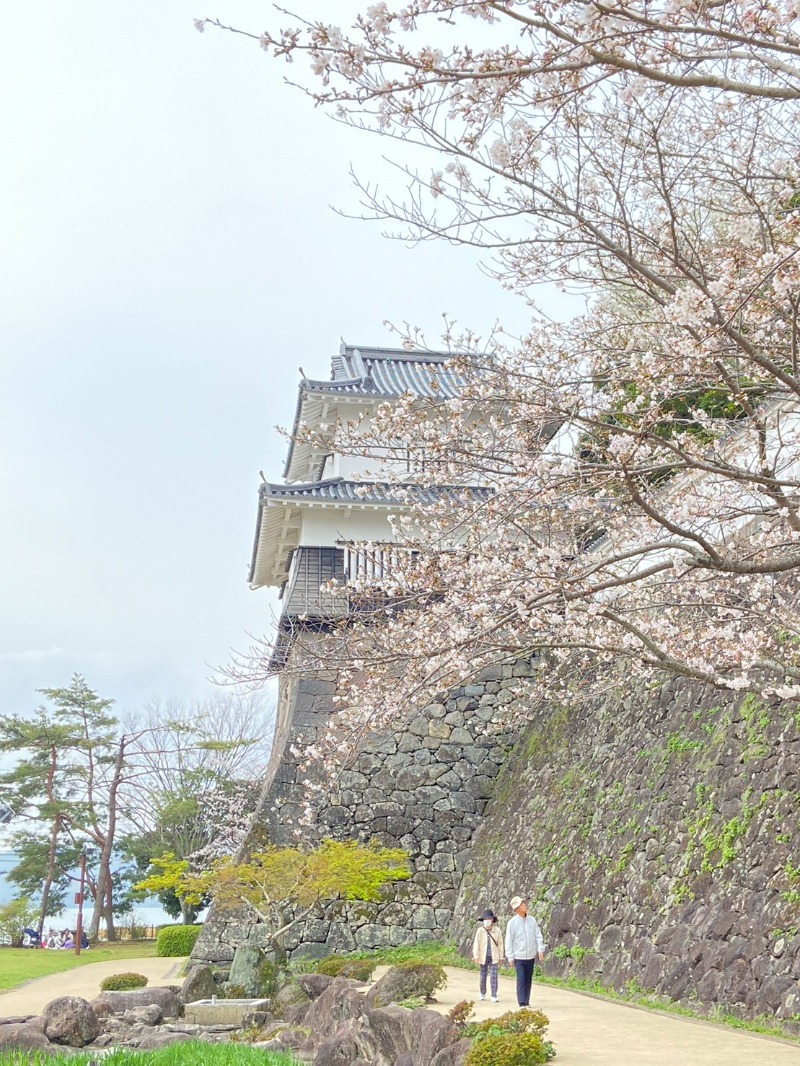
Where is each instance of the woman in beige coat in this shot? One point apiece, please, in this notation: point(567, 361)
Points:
point(487, 951)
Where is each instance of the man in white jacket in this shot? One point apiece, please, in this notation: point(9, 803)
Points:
point(524, 944)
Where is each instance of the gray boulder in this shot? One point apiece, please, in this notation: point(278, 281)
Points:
point(314, 984)
point(342, 1049)
point(119, 1002)
point(295, 1013)
point(453, 1054)
point(198, 984)
point(245, 969)
point(391, 1027)
point(70, 1020)
point(337, 1004)
point(431, 1033)
point(21, 1036)
point(286, 997)
point(149, 1015)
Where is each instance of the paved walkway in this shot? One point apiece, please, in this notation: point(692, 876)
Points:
point(587, 1030)
point(590, 1031)
point(84, 981)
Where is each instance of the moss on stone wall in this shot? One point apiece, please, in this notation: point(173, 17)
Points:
point(653, 831)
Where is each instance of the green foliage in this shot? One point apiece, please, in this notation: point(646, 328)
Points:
point(189, 1053)
point(410, 979)
point(269, 978)
point(332, 965)
point(341, 966)
point(122, 982)
point(177, 940)
point(679, 744)
point(562, 951)
point(15, 916)
point(524, 1020)
point(461, 1013)
point(334, 870)
point(413, 1002)
point(508, 1049)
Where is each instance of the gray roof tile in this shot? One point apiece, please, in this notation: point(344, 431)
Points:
point(339, 490)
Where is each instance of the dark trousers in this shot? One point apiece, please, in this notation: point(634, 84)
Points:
point(524, 968)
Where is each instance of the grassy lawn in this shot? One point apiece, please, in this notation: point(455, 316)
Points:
point(18, 965)
point(192, 1053)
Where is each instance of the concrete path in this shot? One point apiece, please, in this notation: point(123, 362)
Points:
point(590, 1031)
point(587, 1030)
point(84, 981)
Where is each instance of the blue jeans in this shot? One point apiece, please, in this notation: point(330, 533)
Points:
point(524, 968)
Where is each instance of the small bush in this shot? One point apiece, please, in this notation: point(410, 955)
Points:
point(122, 982)
point(331, 966)
point(341, 966)
point(524, 1020)
point(407, 980)
point(413, 1003)
point(508, 1049)
point(358, 969)
point(269, 978)
point(461, 1013)
point(177, 940)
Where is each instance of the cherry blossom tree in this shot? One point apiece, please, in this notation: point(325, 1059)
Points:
point(643, 455)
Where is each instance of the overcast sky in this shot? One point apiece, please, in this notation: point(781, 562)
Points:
point(169, 259)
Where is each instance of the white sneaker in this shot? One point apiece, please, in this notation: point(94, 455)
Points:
point(495, 999)
point(483, 997)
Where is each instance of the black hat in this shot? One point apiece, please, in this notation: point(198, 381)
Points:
point(488, 914)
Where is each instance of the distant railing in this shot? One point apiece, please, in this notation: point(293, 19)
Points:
point(367, 564)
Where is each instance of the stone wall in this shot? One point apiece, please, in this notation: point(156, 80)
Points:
point(657, 836)
point(423, 790)
point(655, 831)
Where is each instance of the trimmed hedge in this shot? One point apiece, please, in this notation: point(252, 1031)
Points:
point(122, 982)
point(177, 939)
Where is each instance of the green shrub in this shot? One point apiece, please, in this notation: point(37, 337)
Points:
point(176, 940)
point(341, 966)
point(461, 1013)
point(508, 1049)
point(15, 915)
point(269, 978)
point(524, 1020)
point(122, 982)
point(359, 969)
point(410, 979)
point(331, 966)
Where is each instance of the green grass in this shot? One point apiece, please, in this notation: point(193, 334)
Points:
point(18, 965)
point(191, 1053)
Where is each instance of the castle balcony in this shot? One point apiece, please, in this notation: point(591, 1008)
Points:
point(326, 583)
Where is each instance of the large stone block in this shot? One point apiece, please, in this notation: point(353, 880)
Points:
point(70, 1020)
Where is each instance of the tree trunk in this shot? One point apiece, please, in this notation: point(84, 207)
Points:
point(51, 871)
point(51, 857)
point(188, 913)
point(97, 909)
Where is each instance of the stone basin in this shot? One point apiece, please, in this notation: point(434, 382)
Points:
point(221, 1011)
